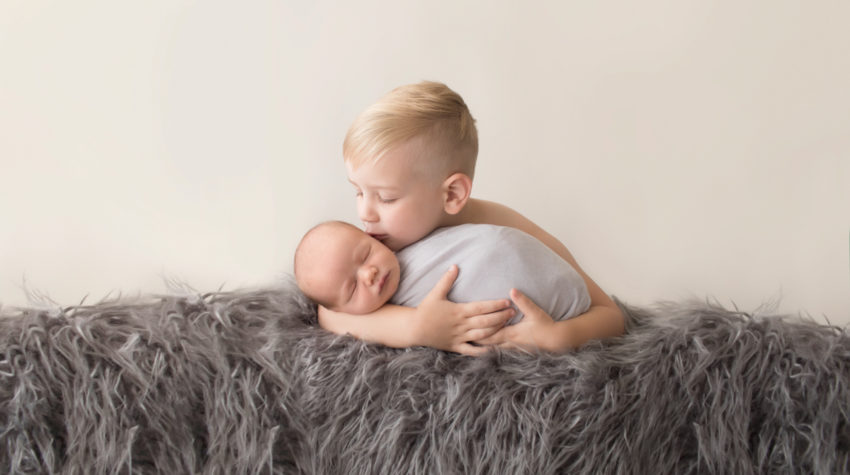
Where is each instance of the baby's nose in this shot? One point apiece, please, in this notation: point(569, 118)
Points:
point(368, 273)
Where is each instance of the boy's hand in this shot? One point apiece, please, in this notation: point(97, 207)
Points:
point(535, 330)
point(441, 323)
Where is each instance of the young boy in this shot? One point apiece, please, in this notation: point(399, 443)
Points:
point(345, 270)
point(411, 157)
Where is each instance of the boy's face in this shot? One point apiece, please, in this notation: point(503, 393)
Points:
point(350, 271)
point(399, 200)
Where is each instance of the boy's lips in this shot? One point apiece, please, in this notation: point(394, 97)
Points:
point(379, 237)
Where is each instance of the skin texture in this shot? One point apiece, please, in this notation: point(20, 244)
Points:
point(348, 270)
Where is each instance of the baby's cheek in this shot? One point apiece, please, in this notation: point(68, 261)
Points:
point(395, 281)
point(375, 305)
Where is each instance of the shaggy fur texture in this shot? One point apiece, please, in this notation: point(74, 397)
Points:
point(244, 382)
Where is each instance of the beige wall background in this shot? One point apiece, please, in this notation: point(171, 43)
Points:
point(679, 149)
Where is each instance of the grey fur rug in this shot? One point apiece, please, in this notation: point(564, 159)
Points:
point(244, 382)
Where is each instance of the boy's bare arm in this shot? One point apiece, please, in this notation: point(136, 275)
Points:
point(436, 322)
point(603, 319)
point(388, 325)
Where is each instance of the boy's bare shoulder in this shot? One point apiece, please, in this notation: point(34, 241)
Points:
point(489, 212)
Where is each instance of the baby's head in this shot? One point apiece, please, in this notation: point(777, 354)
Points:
point(344, 269)
point(405, 155)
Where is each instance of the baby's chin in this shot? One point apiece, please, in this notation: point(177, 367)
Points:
point(362, 309)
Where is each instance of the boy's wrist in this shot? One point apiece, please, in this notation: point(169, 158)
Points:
point(597, 323)
point(566, 336)
point(403, 327)
point(416, 331)
point(407, 337)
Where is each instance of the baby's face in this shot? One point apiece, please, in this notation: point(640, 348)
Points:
point(351, 271)
point(399, 200)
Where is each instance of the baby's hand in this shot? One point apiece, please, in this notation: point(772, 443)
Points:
point(446, 325)
point(536, 330)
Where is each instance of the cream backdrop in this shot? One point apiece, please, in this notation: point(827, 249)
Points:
point(679, 149)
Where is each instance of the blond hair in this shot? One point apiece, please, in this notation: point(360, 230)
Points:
point(427, 110)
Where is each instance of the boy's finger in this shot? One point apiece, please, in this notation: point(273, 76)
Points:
point(441, 289)
point(498, 337)
point(473, 309)
point(525, 304)
point(479, 334)
point(493, 319)
point(471, 350)
point(483, 336)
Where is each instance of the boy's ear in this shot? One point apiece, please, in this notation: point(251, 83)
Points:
point(456, 191)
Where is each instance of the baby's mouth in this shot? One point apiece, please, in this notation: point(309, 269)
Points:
point(383, 282)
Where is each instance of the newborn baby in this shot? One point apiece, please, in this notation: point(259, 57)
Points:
point(344, 269)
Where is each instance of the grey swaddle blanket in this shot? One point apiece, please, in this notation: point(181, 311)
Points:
point(492, 260)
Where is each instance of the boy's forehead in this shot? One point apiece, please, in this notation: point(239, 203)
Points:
point(378, 174)
point(395, 169)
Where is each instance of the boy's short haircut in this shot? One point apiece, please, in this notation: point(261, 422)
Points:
point(428, 110)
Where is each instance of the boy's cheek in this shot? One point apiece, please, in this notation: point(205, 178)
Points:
point(394, 245)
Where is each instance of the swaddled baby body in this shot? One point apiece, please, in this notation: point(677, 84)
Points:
point(344, 269)
point(492, 260)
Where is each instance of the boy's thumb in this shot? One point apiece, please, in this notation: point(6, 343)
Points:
point(441, 290)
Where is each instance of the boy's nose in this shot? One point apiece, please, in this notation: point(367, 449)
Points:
point(366, 212)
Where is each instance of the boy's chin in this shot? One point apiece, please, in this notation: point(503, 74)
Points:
point(391, 243)
point(394, 245)
point(388, 241)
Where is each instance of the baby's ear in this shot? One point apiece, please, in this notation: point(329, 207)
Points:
point(456, 190)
